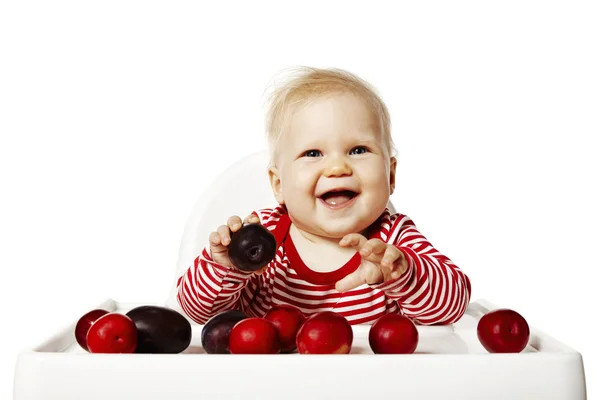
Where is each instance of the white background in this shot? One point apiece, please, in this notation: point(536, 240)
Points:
point(116, 115)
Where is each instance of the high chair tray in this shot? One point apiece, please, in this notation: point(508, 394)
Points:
point(449, 363)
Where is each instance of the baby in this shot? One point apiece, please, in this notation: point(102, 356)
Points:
point(339, 248)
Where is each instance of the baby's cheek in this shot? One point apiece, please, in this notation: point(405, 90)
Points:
point(302, 184)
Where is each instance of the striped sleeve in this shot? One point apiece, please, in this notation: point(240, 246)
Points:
point(433, 290)
point(207, 288)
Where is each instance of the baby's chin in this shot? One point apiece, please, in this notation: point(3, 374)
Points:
point(333, 228)
point(331, 231)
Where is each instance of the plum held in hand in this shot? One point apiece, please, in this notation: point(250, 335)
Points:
point(503, 331)
point(252, 247)
point(160, 330)
point(215, 333)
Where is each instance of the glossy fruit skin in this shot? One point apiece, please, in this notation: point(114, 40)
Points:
point(288, 320)
point(393, 334)
point(252, 247)
point(215, 333)
point(112, 333)
point(503, 331)
point(325, 332)
point(161, 330)
point(254, 336)
point(83, 326)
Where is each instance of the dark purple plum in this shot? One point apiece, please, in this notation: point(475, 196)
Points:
point(215, 333)
point(252, 247)
point(160, 330)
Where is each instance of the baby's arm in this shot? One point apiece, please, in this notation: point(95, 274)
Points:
point(433, 290)
point(208, 288)
point(213, 284)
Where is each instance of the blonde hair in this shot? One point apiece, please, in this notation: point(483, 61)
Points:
point(306, 84)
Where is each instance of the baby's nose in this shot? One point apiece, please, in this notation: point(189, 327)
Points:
point(337, 166)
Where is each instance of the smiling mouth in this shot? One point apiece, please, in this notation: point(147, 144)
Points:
point(338, 198)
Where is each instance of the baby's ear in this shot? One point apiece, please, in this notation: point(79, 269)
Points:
point(393, 163)
point(275, 180)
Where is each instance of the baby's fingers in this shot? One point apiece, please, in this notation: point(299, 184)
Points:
point(216, 242)
point(251, 219)
point(234, 223)
point(224, 234)
point(374, 248)
point(390, 256)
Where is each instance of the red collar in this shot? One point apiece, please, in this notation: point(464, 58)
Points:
point(282, 236)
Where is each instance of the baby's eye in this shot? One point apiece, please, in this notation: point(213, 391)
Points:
point(312, 153)
point(359, 150)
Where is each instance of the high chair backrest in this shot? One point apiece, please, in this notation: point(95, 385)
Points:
point(239, 190)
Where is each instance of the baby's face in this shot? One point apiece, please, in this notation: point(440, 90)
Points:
point(333, 171)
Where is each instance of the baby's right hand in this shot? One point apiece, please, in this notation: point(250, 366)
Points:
point(220, 240)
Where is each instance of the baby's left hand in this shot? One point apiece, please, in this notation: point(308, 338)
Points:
point(381, 262)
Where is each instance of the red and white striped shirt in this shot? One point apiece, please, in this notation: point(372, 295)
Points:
point(433, 290)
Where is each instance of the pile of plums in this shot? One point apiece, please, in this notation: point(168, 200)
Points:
point(234, 332)
point(144, 329)
point(286, 329)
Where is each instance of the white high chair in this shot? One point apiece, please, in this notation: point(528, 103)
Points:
point(239, 190)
